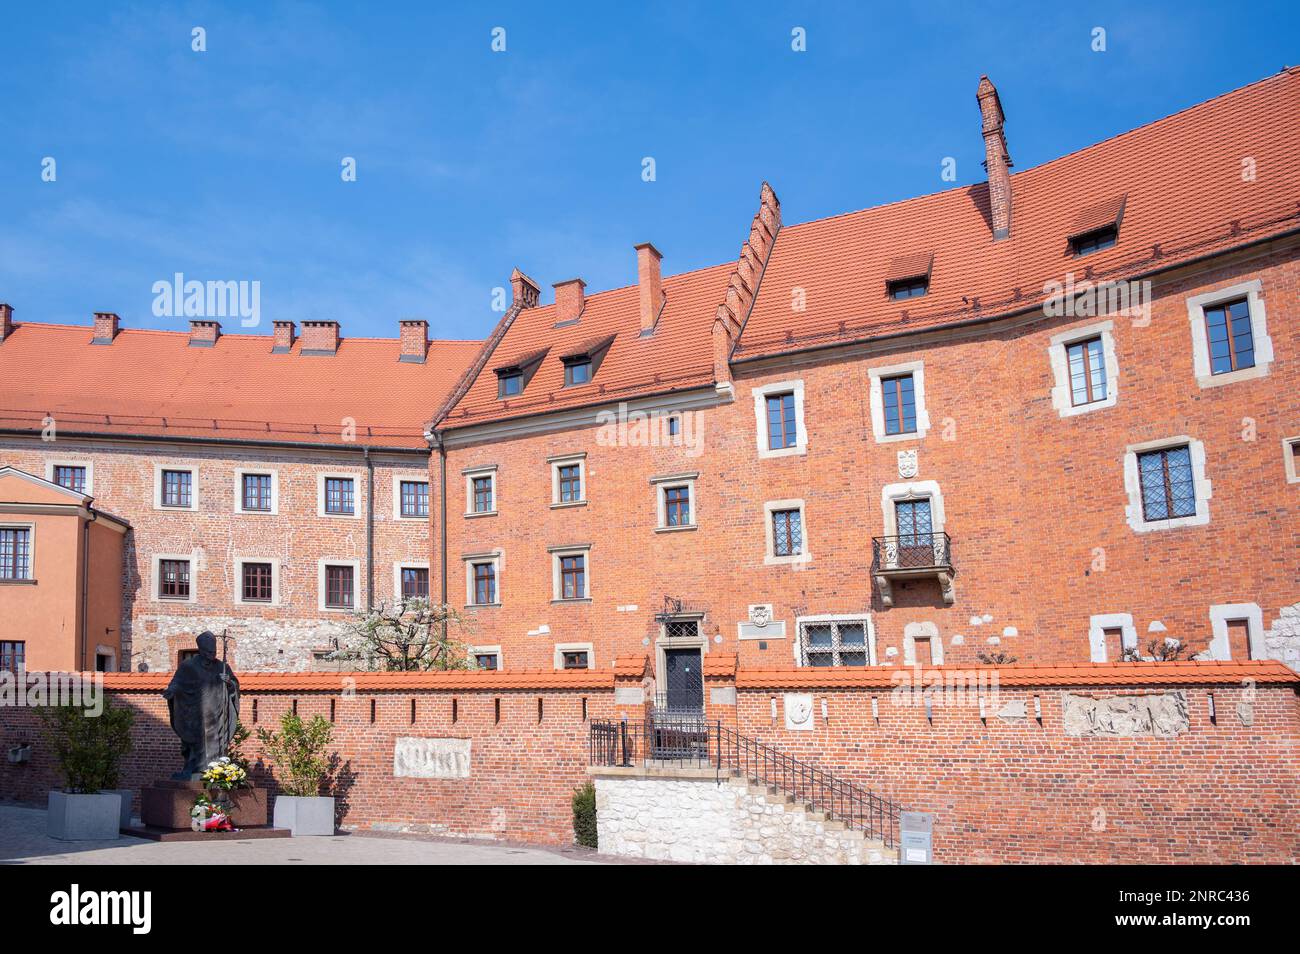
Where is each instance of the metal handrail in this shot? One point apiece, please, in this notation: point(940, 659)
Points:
point(711, 744)
point(913, 551)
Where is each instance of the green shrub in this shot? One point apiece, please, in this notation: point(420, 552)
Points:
point(299, 750)
point(89, 749)
point(584, 815)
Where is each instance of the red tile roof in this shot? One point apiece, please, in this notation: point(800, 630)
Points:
point(1186, 197)
point(1118, 674)
point(152, 383)
point(676, 357)
point(519, 680)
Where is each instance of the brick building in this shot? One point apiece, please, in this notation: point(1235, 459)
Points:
point(1051, 417)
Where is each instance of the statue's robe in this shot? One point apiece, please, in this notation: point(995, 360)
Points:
point(203, 702)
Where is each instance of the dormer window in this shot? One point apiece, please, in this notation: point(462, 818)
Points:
point(577, 371)
point(510, 383)
point(1094, 241)
point(514, 377)
point(909, 288)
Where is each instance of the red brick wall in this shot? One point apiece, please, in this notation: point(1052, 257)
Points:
point(523, 772)
point(1035, 503)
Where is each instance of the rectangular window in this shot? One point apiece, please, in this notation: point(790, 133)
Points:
point(510, 383)
point(257, 583)
point(577, 372)
point(1168, 486)
point(174, 579)
point(487, 661)
point(13, 656)
point(338, 587)
point(415, 583)
point(257, 492)
point(15, 553)
point(485, 584)
point(339, 495)
point(781, 426)
point(899, 395)
point(482, 495)
point(909, 288)
point(1232, 344)
point(677, 506)
point(177, 488)
point(573, 577)
point(915, 527)
point(70, 476)
point(787, 532)
point(834, 643)
point(576, 660)
point(415, 498)
point(1094, 241)
point(570, 480)
point(1087, 371)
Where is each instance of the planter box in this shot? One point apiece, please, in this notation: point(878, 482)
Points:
point(127, 796)
point(304, 816)
point(95, 817)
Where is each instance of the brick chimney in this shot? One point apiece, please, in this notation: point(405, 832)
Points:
point(525, 290)
point(105, 327)
point(650, 285)
point(414, 340)
point(320, 337)
point(283, 340)
point(204, 332)
point(569, 297)
point(6, 321)
point(996, 158)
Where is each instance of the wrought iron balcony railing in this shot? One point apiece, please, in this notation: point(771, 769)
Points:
point(917, 551)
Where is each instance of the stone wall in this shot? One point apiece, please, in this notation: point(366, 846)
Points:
point(688, 815)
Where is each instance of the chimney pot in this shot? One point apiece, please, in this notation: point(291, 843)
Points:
point(650, 285)
point(6, 321)
point(414, 340)
point(569, 299)
point(106, 327)
point(204, 332)
point(997, 160)
point(526, 291)
point(320, 337)
point(284, 334)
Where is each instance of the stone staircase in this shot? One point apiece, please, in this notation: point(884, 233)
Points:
point(691, 814)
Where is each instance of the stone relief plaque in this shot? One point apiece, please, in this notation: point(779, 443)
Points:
point(799, 711)
point(431, 758)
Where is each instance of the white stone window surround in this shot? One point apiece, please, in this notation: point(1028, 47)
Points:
point(494, 557)
point(1057, 353)
point(489, 471)
point(357, 584)
point(562, 648)
point(672, 482)
point(358, 489)
point(1221, 614)
point(862, 617)
point(804, 555)
point(30, 527)
point(111, 653)
point(398, 567)
point(158, 469)
point(240, 473)
point(417, 478)
point(89, 465)
point(475, 651)
point(927, 630)
point(1253, 292)
point(1202, 486)
point(761, 394)
point(557, 584)
point(239, 581)
point(875, 375)
point(912, 490)
point(565, 460)
point(1291, 458)
point(155, 586)
point(1097, 626)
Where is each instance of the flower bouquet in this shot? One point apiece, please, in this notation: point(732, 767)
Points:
point(206, 815)
point(225, 774)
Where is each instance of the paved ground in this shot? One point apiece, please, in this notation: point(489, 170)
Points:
point(23, 841)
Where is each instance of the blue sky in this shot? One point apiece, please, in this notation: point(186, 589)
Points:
point(225, 165)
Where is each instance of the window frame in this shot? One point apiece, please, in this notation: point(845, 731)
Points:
point(1098, 625)
point(909, 285)
point(557, 464)
point(473, 559)
point(1221, 614)
point(493, 651)
point(1094, 240)
point(1167, 482)
point(1198, 305)
point(159, 470)
point(28, 528)
point(1291, 458)
point(16, 660)
point(241, 473)
point(51, 467)
point(322, 584)
point(240, 596)
point(1202, 487)
point(398, 500)
point(875, 378)
point(770, 508)
point(558, 556)
point(834, 619)
point(1058, 357)
point(157, 577)
point(761, 394)
point(348, 495)
point(476, 473)
point(895, 383)
point(562, 648)
point(358, 500)
point(662, 485)
point(571, 364)
point(399, 578)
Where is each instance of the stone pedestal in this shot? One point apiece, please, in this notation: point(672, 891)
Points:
point(167, 804)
